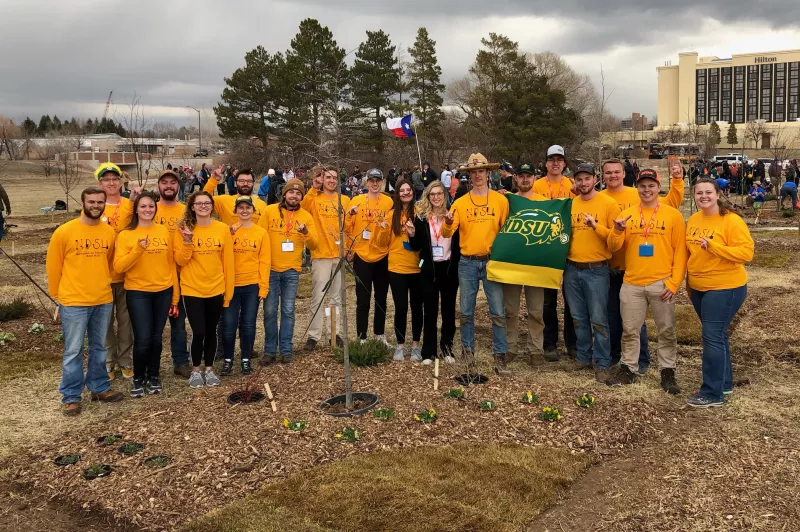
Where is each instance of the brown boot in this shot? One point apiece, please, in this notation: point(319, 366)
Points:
point(574, 365)
point(184, 371)
point(603, 375)
point(71, 409)
point(510, 357)
point(500, 366)
point(107, 397)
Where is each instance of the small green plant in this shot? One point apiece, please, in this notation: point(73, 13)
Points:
point(6, 338)
point(370, 353)
point(787, 213)
point(36, 328)
point(58, 337)
point(426, 416)
point(296, 426)
point(454, 393)
point(109, 439)
point(529, 397)
point(349, 434)
point(130, 448)
point(585, 401)
point(96, 469)
point(67, 459)
point(157, 462)
point(550, 414)
point(14, 310)
point(383, 413)
point(487, 404)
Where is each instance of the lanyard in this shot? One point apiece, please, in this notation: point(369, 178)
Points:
point(437, 234)
point(646, 228)
point(112, 221)
point(289, 219)
point(560, 188)
point(372, 212)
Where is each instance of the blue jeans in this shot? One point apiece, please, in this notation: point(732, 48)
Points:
point(587, 293)
point(716, 309)
point(470, 275)
point(76, 323)
point(241, 313)
point(181, 192)
point(148, 312)
point(177, 338)
point(615, 324)
point(283, 286)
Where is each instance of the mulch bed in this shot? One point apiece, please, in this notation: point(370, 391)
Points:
point(221, 452)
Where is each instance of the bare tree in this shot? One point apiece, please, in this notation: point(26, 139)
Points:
point(755, 130)
point(46, 153)
point(136, 124)
point(580, 92)
point(69, 175)
point(780, 140)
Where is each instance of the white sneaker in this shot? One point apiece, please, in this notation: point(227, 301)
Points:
point(363, 341)
point(427, 362)
point(450, 360)
point(382, 338)
point(416, 354)
point(399, 353)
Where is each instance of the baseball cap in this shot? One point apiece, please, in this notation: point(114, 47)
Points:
point(585, 168)
point(555, 149)
point(243, 199)
point(374, 173)
point(167, 173)
point(525, 168)
point(507, 167)
point(648, 173)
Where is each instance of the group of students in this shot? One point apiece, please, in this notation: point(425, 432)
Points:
point(139, 263)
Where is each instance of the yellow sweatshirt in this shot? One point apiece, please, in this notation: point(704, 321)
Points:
point(629, 197)
point(401, 260)
point(118, 216)
point(223, 204)
point(169, 216)
point(251, 258)
point(479, 219)
point(667, 235)
point(560, 190)
point(286, 242)
point(324, 210)
point(150, 270)
point(594, 245)
point(362, 226)
point(79, 259)
point(729, 247)
point(206, 264)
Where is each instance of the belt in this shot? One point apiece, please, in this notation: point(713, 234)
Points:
point(475, 257)
point(587, 265)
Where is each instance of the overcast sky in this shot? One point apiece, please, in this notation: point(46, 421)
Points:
point(63, 57)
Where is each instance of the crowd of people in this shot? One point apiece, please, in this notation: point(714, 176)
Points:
point(127, 266)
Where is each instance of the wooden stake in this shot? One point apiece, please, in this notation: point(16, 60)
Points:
point(271, 398)
point(435, 374)
point(333, 326)
point(13, 249)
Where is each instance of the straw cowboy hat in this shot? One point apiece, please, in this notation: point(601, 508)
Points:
point(477, 161)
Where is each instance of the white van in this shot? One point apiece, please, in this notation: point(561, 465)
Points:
point(731, 158)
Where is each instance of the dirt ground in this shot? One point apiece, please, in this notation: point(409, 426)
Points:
point(656, 464)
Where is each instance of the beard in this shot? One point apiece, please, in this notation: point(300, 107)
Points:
point(524, 188)
point(244, 190)
point(291, 204)
point(168, 194)
point(92, 216)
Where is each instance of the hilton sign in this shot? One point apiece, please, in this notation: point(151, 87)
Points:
point(763, 59)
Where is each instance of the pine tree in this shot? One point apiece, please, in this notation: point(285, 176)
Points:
point(56, 123)
point(29, 127)
point(733, 140)
point(45, 125)
point(424, 75)
point(714, 135)
point(375, 77)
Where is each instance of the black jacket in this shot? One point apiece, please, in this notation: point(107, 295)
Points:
point(421, 241)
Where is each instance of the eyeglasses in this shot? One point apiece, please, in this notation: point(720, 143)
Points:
point(244, 182)
point(111, 179)
point(203, 204)
point(435, 194)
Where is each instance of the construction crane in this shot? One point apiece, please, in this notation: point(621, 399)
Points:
point(108, 102)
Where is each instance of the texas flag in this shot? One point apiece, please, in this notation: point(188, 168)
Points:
point(401, 127)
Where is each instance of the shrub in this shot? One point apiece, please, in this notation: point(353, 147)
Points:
point(6, 338)
point(16, 309)
point(787, 213)
point(370, 353)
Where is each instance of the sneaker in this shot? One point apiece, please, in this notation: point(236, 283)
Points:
point(427, 362)
point(363, 341)
point(602, 375)
point(106, 397)
point(154, 385)
point(266, 359)
point(668, 383)
point(184, 371)
point(642, 370)
point(416, 354)
point(551, 355)
point(227, 367)
point(137, 388)
point(211, 379)
point(698, 401)
point(127, 371)
point(623, 376)
point(311, 344)
point(575, 365)
point(500, 366)
point(246, 369)
point(399, 353)
point(196, 380)
point(449, 359)
point(111, 373)
point(71, 409)
point(382, 338)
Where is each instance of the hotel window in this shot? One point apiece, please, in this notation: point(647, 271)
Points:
point(713, 94)
point(738, 94)
point(700, 97)
point(725, 98)
point(752, 92)
point(793, 113)
point(780, 92)
point(766, 93)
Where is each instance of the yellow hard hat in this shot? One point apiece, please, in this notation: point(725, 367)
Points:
point(107, 167)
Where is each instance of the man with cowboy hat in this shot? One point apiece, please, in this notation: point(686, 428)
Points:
point(479, 215)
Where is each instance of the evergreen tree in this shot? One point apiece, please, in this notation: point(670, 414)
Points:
point(56, 123)
point(375, 77)
point(29, 127)
point(424, 75)
point(733, 140)
point(89, 127)
point(714, 134)
point(45, 125)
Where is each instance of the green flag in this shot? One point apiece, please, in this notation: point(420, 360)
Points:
point(531, 248)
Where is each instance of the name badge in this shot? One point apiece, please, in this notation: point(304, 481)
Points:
point(407, 246)
point(438, 251)
point(366, 234)
point(645, 250)
point(287, 247)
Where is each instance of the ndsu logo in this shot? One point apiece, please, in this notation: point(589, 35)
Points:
point(537, 226)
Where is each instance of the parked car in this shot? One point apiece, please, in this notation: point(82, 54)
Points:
point(201, 152)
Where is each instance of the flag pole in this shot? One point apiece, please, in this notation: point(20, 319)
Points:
point(419, 153)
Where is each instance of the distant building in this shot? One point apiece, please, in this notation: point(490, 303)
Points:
point(636, 122)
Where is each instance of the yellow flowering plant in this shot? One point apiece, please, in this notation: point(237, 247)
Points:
point(296, 426)
point(455, 393)
point(426, 416)
point(550, 414)
point(585, 401)
point(529, 397)
point(487, 404)
point(349, 434)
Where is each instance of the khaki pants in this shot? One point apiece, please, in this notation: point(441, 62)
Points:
point(321, 271)
point(119, 344)
point(634, 301)
point(534, 300)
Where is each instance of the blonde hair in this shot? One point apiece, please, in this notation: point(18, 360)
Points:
point(424, 206)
